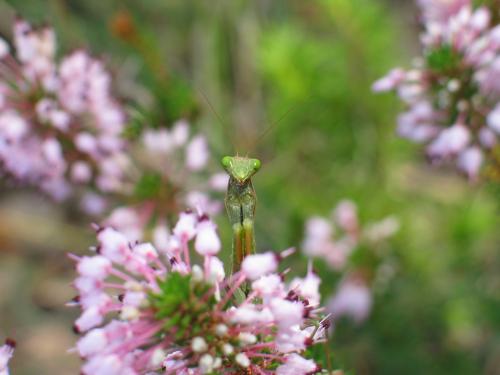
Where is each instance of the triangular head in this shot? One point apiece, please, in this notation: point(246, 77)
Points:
point(240, 168)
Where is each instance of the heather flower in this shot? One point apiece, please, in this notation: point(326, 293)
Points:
point(6, 353)
point(167, 180)
point(452, 93)
point(353, 299)
point(334, 239)
point(149, 311)
point(440, 10)
point(60, 127)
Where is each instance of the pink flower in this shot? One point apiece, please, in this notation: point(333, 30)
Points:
point(207, 242)
point(470, 162)
point(353, 299)
point(146, 312)
point(185, 229)
point(450, 141)
point(197, 153)
point(494, 119)
point(165, 180)
point(452, 92)
point(337, 238)
point(45, 104)
point(308, 287)
point(390, 81)
point(259, 265)
point(6, 353)
point(441, 10)
point(297, 365)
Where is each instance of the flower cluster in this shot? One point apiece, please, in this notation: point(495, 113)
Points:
point(170, 170)
point(452, 93)
point(335, 239)
point(353, 298)
point(156, 312)
point(6, 352)
point(59, 123)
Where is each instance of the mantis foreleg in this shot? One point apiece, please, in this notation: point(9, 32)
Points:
point(240, 206)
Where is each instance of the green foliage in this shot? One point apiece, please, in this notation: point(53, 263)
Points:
point(444, 59)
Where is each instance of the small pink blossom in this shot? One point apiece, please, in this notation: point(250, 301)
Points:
point(197, 153)
point(6, 353)
point(259, 265)
point(353, 299)
point(297, 365)
point(207, 241)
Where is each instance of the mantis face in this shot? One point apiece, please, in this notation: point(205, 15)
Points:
point(240, 168)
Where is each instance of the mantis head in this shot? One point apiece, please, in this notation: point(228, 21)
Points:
point(240, 168)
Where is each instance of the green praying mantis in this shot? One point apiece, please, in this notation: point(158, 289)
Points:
point(241, 200)
point(240, 203)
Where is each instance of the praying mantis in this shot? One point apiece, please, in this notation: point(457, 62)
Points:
point(240, 205)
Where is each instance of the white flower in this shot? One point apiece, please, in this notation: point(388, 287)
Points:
point(346, 215)
point(180, 132)
point(186, 226)
point(81, 172)
point(450, 141)
point(246, 338)
point(6, 353)
point(199, 345)
point(352, 299)
point(270, 285)
point(242, 360)
point(93, 342)
point(308, 287)
point(90, 318)
point(255, 266)
point(4, 48)
point(493, 119)
point(96, 267)
point(470, 162)
point(296, 365)
point(287, 313)
point(207, 241)
point(390, 81)
point(197, 153)
point(113, 244)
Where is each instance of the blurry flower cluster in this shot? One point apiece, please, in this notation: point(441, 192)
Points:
point(149, 311)
point(6, 353)
point(353, 299)
point(452, 92)
point(59, 123)
point(169, 175)
point(335, 239)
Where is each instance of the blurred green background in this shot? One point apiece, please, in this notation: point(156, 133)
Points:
point(291, 82)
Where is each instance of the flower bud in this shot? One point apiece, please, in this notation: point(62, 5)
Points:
point(207, 241)
point(242, 360)
point(199, 345)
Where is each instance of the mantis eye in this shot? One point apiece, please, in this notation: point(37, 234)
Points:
point(226, 161)
point(256, 164)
